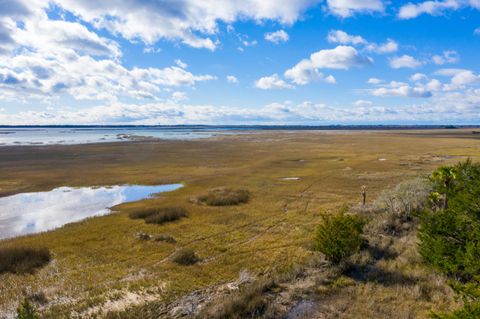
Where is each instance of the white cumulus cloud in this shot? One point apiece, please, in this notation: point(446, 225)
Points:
point(181, 64)
point(347, 8)
point(341, 37)
point(390, 46)
point(434, 8)
point(272, 82)
point(178, 96)
point(362, 103)
point(405, 61)
point(447, 108)
point(192, 22)
point(303, 73)
point(374, 81)
point(232, 79)
point(465, 77)
point(277, 36)
point(341, 57)
point(39, 74)
point(45, 58)
point(459, 78)
point(402, 90)
point(418, 77)
point(447, 57)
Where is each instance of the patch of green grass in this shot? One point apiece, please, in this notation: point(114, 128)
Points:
point(27, 311)
point(20, 260)
point(225, 197)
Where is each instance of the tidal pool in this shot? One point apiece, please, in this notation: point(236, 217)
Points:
point(29, 213)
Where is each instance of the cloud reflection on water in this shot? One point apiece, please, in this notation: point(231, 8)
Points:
point(29, 213)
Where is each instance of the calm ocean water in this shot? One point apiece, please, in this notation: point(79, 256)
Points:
point(28, 213)
point(10, 135)
point(84, 135)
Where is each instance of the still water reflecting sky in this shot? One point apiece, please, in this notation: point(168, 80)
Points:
point(52, 135)
point(29, 213)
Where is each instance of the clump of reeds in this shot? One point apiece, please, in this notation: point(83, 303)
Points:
point(186, 257)
point(19, 260)
point(225, 197)
point(159, 215)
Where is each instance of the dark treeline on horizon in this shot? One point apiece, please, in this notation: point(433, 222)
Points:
point(255, 127)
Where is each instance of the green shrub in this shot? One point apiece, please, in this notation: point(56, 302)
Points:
point(449, 234)
point(469, 311)
point(26, 311)
point(450, 241)
point(21, 260)
point(450, 238)
point(186, 257)
point(225, 197)
point(339, 236)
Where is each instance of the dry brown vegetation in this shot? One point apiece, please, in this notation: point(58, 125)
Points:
point(249, 302)
point(101, 266)
point(386, 279)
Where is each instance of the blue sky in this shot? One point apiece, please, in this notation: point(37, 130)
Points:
point(239, 62)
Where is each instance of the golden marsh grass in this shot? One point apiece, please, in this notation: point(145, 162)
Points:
point(101, 260)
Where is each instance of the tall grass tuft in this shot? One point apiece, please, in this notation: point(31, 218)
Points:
point(248, 302)
point(143, 213)
point(159, 215)
point(165, 238)
point(20, 260)
point(225, 197)
point(186, 257)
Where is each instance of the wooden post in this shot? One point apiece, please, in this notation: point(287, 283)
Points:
point(364, 195)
